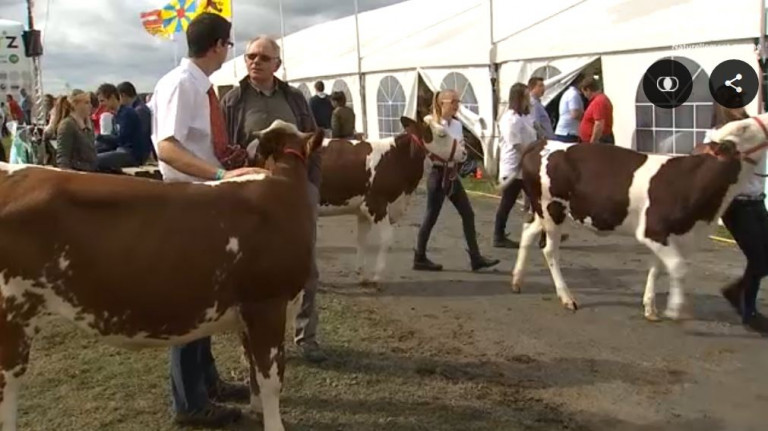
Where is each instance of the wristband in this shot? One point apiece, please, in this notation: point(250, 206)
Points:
point(220, 174)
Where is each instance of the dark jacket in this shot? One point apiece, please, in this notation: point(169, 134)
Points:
point(343, 122)
point(234, 115)
point(145, 119)
point(129, 134)
point(322, 108)
point(75, 148)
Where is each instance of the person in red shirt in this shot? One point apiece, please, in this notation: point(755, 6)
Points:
point(597, 124)
point(16, 113)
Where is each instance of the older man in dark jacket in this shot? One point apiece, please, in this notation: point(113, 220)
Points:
point(253, 105)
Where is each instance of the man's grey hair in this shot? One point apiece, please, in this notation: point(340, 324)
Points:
point(271, 41)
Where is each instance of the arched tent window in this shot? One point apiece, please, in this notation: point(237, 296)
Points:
point(546, 72)
point(461, 84)
point(674, 131)
point(390, 100)
point(340, 85)
point(305, 90)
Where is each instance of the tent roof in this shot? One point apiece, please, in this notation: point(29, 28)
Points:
point(454, 33)
point(414, 33)
point(602, 26)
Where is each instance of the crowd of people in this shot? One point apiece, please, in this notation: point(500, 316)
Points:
point(101, 131)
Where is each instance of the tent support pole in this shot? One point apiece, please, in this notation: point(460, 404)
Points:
point(360, 77)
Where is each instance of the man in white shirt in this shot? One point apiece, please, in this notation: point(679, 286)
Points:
point(571, 110)
point(187, 135)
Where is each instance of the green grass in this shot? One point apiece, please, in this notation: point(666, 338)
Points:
point(722, 232)
point(482, 185)
point(381, 375)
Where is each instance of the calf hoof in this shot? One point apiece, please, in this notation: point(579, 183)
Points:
point(652, 317)
point(672, 314)
point(517, 284)
point(571, 305)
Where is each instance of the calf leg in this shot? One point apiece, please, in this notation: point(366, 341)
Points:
point(530, 230)
point(552, 255)
point(674, 262)
point(385, 234)
point(649, 297)
point(363, 229)
point(14, 356)
point(265, 334)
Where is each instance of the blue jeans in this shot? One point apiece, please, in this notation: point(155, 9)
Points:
point(567, 138)
point(111, 161)
point(193, 373)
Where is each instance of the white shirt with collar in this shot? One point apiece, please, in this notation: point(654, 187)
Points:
point(180, 109)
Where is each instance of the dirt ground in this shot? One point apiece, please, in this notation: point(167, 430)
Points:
point(456, 351)
point(602, 368)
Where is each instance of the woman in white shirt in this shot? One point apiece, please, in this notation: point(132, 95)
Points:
point(444, 181)
point(747, 220)
point(517, 134)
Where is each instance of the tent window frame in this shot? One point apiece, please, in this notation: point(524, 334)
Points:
point(666, 123)
point(304, 88)
point(390, 103)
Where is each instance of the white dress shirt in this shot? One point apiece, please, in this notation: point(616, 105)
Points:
point(180, 109)
point(517, 132)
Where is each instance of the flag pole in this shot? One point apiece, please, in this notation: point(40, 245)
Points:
point(282, 40)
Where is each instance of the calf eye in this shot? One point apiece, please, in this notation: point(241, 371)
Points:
point(442, 134)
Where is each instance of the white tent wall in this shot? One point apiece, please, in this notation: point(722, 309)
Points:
point(623, 74)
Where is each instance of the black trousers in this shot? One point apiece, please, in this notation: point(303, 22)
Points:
point(747, 221)
point(435, 197)
point(508, 198)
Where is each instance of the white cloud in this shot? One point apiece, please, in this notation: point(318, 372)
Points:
point(88, 42)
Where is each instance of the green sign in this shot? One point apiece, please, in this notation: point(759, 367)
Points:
point(13, 58)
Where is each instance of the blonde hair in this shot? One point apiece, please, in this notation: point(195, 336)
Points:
point(437, 109)
point(65, 105)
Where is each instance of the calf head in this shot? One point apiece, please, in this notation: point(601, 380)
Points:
point(432, 137)
point(282, 139)
point(749, 137)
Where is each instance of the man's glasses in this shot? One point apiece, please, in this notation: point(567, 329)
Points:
point(262, 57)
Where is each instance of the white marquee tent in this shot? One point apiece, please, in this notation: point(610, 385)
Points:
point(465, 44)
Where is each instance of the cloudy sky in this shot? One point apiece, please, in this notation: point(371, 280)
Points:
point(88, 42)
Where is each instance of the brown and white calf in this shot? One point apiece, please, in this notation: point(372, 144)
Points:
point(142, 263)
point(667, 203)
point(375, 180)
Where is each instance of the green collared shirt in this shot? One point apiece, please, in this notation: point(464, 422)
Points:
point(262, 108)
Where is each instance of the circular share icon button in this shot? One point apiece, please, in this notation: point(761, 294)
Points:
point(667, 84)
point(733, 84)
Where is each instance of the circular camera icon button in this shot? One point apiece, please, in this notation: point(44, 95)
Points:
point(668, 84)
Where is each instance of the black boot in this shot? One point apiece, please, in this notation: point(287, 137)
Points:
point(501, 241)
point(479, 262)
point(421, 263)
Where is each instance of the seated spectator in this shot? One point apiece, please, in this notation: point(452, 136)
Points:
point(75, 149)
point(343, 117)
point(124, 147)
point(129, 97)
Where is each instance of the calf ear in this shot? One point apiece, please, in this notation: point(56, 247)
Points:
point(253, 149)
point(316, 141)
point(408, 124)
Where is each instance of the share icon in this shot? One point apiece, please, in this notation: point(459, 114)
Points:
point(729, 83)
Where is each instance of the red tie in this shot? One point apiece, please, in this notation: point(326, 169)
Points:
point(230, 156)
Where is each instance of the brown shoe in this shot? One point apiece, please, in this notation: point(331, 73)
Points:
point(213, 416)
point(230, 392)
